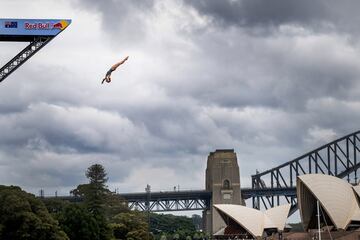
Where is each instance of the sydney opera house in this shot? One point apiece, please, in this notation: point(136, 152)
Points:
point(336, 202)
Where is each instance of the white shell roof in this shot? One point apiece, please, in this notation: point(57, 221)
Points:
point(334, 194)
point(220, 232)
point(356, 215)
point(249, 218)
point(255, 221)
point(357, 190)
point(278, 216)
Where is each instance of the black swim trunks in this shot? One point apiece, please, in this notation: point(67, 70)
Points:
point(108, 73)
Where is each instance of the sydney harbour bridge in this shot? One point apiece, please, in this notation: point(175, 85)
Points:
point(270, 188)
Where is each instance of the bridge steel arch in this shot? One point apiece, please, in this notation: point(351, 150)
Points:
point(338, 158)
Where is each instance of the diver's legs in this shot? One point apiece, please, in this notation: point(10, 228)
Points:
point(119, 63)
point(116, 65)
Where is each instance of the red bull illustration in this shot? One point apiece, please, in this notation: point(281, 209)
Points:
point(61, 25)
point(58, 25)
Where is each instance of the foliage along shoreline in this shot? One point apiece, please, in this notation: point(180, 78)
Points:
point(101, 216)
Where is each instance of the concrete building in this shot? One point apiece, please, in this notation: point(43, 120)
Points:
point(223, 179)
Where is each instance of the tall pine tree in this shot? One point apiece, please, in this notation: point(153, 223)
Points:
point(95, 197)
point(97, 189)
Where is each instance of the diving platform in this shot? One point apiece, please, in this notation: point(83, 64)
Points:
point(37, 32)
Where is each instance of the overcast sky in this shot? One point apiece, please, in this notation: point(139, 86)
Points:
point(271, 79)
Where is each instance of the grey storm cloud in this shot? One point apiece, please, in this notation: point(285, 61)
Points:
point(197, 80)
point(118, 9)
point(278, 71)
point(123, 19)
point(258, 13)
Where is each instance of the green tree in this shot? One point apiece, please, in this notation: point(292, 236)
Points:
point(80, 191)
point(163, 237)
point(78, 223)
point(55, 206)
point(97, 175)
point(197, 236)
point(114, 204)
point(176, 236)
point(130, 225)
point(137, 235)
point(197, 221)
point(100, 201)
point(23, 216)
point(94, 195)
point(119, 230)
point(96, 190)
point(168, 223)
point(74, 219)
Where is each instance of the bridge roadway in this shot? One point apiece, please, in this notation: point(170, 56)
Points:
point(184, 200)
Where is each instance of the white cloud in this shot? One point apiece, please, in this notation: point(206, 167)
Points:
point(319, 136)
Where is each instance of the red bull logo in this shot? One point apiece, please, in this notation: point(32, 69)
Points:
point(58, 25)
point(61, 25)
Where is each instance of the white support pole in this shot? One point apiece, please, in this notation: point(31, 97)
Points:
point(318, 215)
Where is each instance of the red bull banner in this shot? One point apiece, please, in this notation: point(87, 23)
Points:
point(32, 27)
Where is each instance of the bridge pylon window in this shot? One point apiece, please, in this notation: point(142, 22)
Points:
point(226, 184)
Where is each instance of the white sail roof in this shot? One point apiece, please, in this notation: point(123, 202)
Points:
point(278, 216)
point(253, 220)
point(335, 195)
point(249, 218)
point(357, 190)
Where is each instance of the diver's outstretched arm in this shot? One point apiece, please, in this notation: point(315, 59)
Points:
point(119, 63)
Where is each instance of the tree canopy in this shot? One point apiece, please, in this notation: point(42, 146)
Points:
point(96, 174)
point(168, 223)
point(78, 223)
point(130, 225)
point(103, 215)
point(23, 216)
